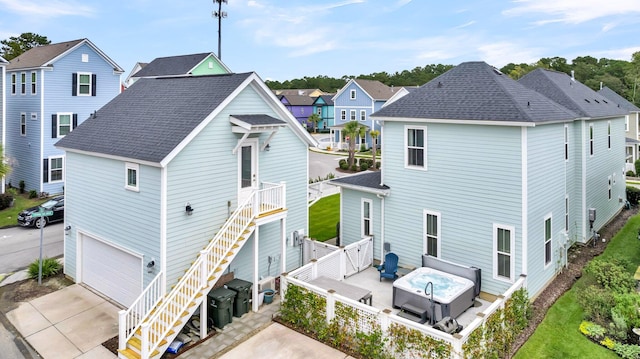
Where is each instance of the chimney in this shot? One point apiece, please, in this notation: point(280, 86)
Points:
point(600, 85)
point(573, 75)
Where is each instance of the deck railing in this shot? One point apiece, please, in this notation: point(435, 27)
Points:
point(129, 319)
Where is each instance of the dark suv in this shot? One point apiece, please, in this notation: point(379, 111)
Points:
point(56, 204)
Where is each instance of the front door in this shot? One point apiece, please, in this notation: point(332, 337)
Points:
point(247, 169)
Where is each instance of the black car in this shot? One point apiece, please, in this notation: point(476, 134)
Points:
point(56, 204)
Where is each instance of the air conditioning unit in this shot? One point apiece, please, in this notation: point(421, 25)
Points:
point(266, 283)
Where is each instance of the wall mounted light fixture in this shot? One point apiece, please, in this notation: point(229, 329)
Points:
point(267, 147)
point(188, 209)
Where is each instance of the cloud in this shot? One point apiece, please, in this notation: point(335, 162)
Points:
point(47, 9)
point(573, 11)
point(499, 54)
point(465, 25)
point(620, 54)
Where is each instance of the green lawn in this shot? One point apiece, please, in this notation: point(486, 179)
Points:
point(558, 335)
point(323, 217)
point(8, 217)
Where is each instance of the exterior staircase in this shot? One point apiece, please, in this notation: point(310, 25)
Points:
point(154, 320)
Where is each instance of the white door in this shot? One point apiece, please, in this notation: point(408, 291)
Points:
point(111, 271)
point(247, 169)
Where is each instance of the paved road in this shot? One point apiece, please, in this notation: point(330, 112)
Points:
point(21, 246)
point(321, 164)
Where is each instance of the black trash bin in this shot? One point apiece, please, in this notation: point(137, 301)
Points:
point(242, 301)
point(221, 306)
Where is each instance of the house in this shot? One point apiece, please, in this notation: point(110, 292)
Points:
point(130, 79)
point(356, 101)
point(631, 126)
point(300, 106)
point(50, 90)
point(300, 92)
point(323, 105)
point(401, 92)
point(484, 171)
point(205, 63)
point(189, 177)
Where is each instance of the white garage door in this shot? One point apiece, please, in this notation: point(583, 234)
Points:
point(111, 271)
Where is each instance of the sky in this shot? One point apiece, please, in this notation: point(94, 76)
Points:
point(287, 39)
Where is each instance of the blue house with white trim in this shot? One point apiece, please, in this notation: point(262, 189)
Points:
point(541, 168)
point(50, 90)
point(324, 108)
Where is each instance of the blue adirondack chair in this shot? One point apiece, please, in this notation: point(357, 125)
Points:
point(389, 268)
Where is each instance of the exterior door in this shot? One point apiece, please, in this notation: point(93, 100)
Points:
point(247, 169)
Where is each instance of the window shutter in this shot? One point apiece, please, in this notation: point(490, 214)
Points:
point(45, 170)
point(74, 84)
point(54, 126)
point(75, 121)
point(93, 84)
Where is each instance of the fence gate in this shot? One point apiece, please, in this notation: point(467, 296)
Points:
point(359, 256)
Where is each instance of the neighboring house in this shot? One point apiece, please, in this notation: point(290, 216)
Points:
point(323, 106)
point(356, 101)
point(3, 101)
point(169, 165)
point(50, 90)
point(130, 79)
point(401, 92)
point(187, 65)
point(301, 106)
point(300, 92)
point(520, 191)
point(631, 126)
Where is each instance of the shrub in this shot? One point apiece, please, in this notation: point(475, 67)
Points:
point(611, 274)
point(626, 307)
point(592, 330)
point(637, 165)
point(363, 148)
point(33, 194)
point(618, 326)
point(596, 302)
point(633, 195)
point(364, 165)
point(630, 174)
point(21, 184)
point(354, 167)
point(378, 164)
point(343, 164)
point(5, 200)
point(50, 267)
point(627, 351)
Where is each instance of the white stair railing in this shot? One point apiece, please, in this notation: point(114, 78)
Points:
point(130, 319)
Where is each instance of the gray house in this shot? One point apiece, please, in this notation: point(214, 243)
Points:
point(631, 126)
point(484, 171)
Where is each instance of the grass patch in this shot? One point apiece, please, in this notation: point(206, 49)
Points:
point(9, 216)
point(558, 336)
point(323, 217)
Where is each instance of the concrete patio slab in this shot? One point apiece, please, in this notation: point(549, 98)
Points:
point(98, 352)
point(51, 344)
point(27, 319)
point(92, 327)
point(66, 302)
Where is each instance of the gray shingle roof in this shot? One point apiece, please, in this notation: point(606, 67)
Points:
point(171, 65)
point(148, 120)
point(476, 91)
point(369, 179)
point(327, 99)
point(299, 100)
point(619, 100)
point(570, 93)
point(40, 55)
point(376, 89)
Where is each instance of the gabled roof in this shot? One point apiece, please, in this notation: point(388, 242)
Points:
point(571, 94)
point(619, 100)
point(151, 119)
point(475, 91)
point(326, 98)
point(174, 65)
point(306, 92)
point(3, 61)
point(376, 89)
point(46, 55)
point(367, 182)
point(298, 100)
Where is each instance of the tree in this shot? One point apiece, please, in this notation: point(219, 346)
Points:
point(314, 119)
point(374, 147)
point(351, 130)
point(15, 46)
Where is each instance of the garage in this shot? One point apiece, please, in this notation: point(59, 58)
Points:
point(111, 271)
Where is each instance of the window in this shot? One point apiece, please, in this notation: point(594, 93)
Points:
point(566, 213)
point(62, 123)
point(352, 94)
point(566, 142)
point(34, 77)
point(319, 111)
point(363, 115)
point(23, 83)
point(352, 115)
point(366, 228)
point(431, 241)
point(609, 186)
point(503, 237)
point(609, 134)
point(55, 169)
point(343, 115)
point(132, 176)
point(547, 240)
point(83, 84)
point(23, 124)
point(14, 79)
point(591, 139)
point(415, 140)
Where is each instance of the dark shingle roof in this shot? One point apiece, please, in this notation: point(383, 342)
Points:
point(172, 65)
point(619, 100)
point(476, 91)
point(328, 99)
point(369, 179)
point(298, 100)
point(376, 89)
point(147, 121)
point(40, 55)
point(570, 93)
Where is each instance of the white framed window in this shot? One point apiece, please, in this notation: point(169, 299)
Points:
point(609, 186)
point(431, 233)
point(626, 124)
point(363, 115)
point(56, 172)
point(23, 83)
point(591, 139)
point(64, 124)
point(34, 78)
point(14, 85)
point(609, 134)
point(547, 240)
point(566, 142)
point(352, 94)
point(416, 147)
point(85, 57)
point(352, 115)
point(566, 213)
point(132, 176)
point(343, 115)
point(23, 124)
point(319, 111)
point(84, 84)
point(503, 248)
point(366, 228)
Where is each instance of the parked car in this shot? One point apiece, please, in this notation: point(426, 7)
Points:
point(56, 205)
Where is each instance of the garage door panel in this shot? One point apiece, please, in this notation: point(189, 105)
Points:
point(111, 271)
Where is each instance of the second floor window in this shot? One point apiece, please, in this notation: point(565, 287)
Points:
point(416, 149)
point(591, 140)
point(83, 84)
point(23, 83)
point(131, 176)
point(62, 123)
point(352, 94)
point(363, 115)
point(34, 77)
point(23, 124)
point(343, 115)
point(14, 85)
point(352, 115)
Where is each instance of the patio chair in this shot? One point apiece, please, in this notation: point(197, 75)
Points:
point(389, 268)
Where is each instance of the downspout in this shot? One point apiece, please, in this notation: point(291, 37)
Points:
point(41, 183)
point(4, 118)
point(583, 191)
point(525, 199)
point(163, 227)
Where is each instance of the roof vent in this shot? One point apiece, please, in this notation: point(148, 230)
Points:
point(573, 75)
point(439, 84)
point(528, 104)
point(605, 101)
point(587, 100)
point(596, 100)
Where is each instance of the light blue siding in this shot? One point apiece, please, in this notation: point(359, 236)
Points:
point(351, 219)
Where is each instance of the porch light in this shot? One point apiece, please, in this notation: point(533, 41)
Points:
point(188, 209)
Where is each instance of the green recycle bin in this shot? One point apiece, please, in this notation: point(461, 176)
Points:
point(221, 306)
point(242, 301)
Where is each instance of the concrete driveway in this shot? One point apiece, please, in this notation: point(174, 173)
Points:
point(72, 322)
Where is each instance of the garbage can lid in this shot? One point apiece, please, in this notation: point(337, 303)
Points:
point(222, 294)
point(238, 284)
